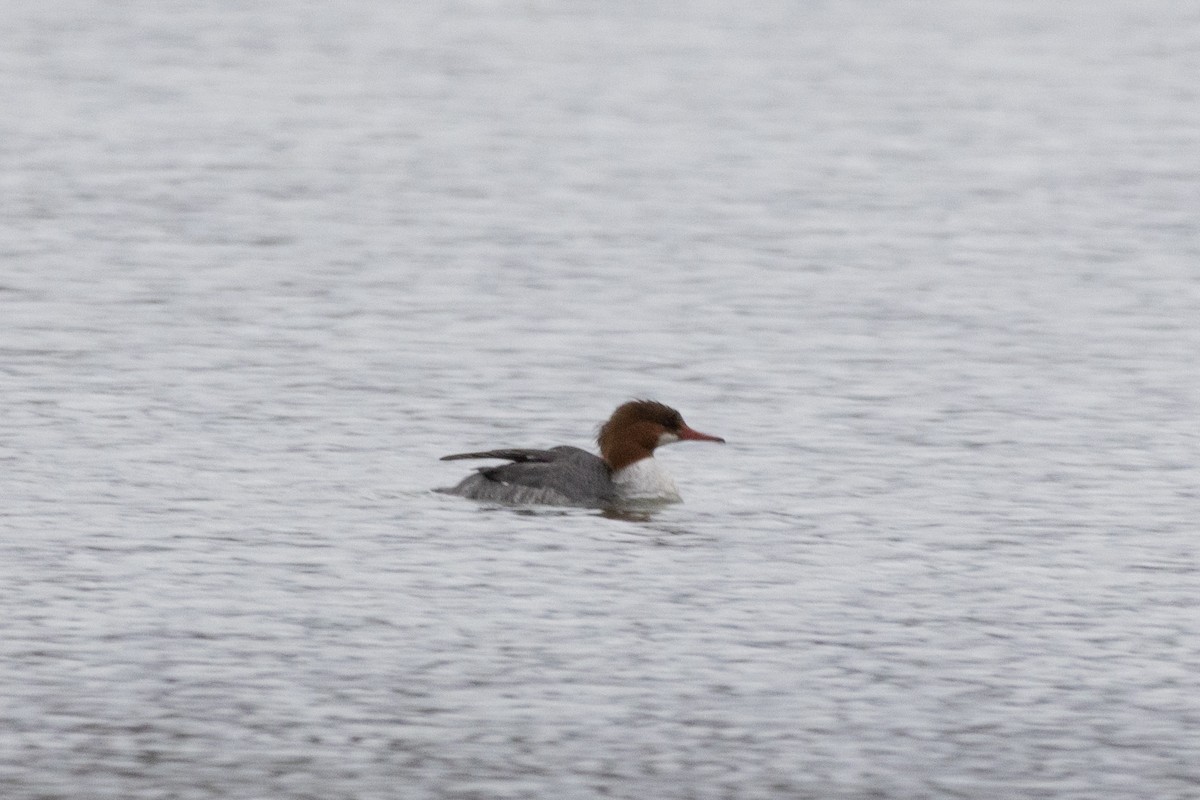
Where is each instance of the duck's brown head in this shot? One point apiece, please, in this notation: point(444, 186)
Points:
point(639, 426)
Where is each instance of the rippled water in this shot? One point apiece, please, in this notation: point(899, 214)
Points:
point(932, 269)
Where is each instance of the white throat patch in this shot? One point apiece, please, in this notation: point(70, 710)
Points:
point(646, 480)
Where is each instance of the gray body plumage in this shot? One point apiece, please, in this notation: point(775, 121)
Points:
point(562, 475)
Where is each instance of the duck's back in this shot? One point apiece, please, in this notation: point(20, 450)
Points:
point(562, 475)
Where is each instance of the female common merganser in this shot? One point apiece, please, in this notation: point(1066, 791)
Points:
point(625, 470)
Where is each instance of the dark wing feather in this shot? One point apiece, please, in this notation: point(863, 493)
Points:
point(520, 455)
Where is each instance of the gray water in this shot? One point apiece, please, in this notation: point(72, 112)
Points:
point(933, 269)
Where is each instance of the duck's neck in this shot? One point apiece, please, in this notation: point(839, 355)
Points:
point(644, 479)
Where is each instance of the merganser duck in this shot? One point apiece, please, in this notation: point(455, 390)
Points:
point(624, 472)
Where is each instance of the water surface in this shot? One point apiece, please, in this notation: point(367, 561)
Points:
point(930, 269)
